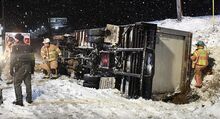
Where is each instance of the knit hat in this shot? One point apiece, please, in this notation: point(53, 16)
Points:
point(19, 37)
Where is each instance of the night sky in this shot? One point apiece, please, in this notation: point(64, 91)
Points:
point(24, 15)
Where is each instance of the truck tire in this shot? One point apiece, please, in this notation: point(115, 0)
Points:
point(91, 81)
point(96, 86)
point(96, 39)
point(96, 32)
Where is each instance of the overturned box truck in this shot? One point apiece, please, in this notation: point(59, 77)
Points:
point(141, 59)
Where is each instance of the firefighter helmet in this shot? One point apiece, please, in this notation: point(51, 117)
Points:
point(46, 40)
point(200, 43)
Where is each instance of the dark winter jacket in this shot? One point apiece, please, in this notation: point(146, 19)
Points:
point(21, 54)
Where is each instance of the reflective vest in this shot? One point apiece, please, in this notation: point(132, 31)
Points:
point(51, 53)
point(201, 57)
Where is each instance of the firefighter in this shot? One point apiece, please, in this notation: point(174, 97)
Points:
point(199, 62)
point(7, 53)
point(21, 67)
point(50, 54)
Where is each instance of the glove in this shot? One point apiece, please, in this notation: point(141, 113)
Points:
point(12, 72)
point(60, 59)
point(32, 69)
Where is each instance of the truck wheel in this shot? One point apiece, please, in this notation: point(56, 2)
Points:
point(96, 32)
point(91, 85)
point(96, 39)
point(92, 81)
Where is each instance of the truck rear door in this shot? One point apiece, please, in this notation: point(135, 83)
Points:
point(172, 60)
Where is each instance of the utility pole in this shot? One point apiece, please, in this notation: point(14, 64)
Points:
point(213, 13)
point(179, 10)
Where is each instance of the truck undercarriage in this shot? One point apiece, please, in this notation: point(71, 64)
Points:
point(126, 57)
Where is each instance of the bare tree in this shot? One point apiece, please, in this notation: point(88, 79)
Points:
point(179, 10)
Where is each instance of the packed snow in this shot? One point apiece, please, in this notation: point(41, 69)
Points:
point(64, 98)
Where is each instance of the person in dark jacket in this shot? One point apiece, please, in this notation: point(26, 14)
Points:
point(21, 67)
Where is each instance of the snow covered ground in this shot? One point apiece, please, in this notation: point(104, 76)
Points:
point(65, 99)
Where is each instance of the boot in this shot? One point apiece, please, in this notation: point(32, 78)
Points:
point(54, 73)
point(47, 75)
point(9, 82)
point(198, 81)
point(54, 76)
point(20, 103)
point(29, 100)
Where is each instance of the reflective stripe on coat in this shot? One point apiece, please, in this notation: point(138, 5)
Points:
point(51, 53)
point(201, 57)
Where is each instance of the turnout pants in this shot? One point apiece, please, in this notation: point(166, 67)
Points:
point(199, 75)
point(49, 66)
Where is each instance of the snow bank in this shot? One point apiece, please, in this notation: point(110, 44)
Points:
point(201, 27)
point(65, 99)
